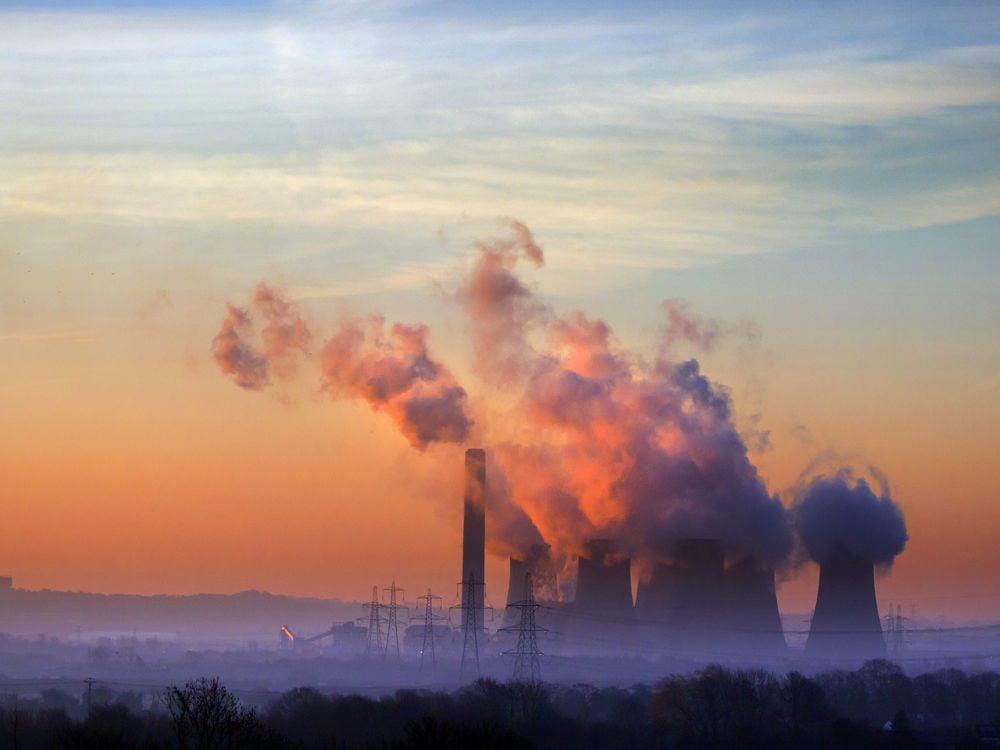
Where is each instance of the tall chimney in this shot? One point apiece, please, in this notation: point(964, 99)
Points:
point(474, 535)
point(845, 623)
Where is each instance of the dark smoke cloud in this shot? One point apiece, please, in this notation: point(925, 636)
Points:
point(395, 373)
point(841, 512)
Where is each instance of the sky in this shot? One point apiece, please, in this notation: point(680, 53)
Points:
point(825, 173)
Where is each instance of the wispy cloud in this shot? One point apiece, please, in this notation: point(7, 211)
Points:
point(627, 141)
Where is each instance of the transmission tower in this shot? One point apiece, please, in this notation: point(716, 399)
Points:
point(527, 661)
point(470, 623)
point(392, 620)
point(429, 619)
point(374, 643)
point(897, 633)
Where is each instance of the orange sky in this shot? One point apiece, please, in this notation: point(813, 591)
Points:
point(131, 464)
point(835, 185)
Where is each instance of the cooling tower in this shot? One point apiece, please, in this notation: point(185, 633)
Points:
point(699, 584)
point(679, 608)
point(515, 587)
point(602, 613)
point(655, 608)
point(655, 598)
point(537, 561)
point(846, 623)
point(474, 535)
point(751, 625)
point(603, 583)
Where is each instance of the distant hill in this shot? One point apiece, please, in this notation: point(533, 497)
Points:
point(199, 618)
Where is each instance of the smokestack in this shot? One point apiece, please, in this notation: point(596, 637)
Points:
point(474, 534)
point(846, 623)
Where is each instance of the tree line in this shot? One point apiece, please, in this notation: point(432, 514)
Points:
point(876, 706)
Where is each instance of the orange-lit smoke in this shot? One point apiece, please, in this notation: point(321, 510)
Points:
point(607, 445)
point(594, 442)
point(395, 373)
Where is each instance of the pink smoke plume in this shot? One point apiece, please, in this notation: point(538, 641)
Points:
point(395, 373)
point(284, 335)
point(605, 445)
point(584, 438)
point(500, 308)
point(683, 325)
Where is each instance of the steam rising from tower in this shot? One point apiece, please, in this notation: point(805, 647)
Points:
point(848, 529)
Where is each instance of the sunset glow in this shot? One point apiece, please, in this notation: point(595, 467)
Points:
point(226, 235)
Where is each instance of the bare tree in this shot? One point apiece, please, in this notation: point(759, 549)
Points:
point(207, 716)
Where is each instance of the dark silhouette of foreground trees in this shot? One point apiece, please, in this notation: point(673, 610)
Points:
point(877, 706)
point(206, 716)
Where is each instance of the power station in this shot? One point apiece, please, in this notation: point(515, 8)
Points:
point(700, 601)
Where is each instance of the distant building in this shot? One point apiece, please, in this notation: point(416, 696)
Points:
point(6, 582)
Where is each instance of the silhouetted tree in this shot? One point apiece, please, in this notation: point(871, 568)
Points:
point(206, 716)
point(805, 707)
point(304, 716)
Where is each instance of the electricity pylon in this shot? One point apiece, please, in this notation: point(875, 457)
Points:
point(527, 661)
point(897, 632)
point(373, 644)
point(429, 619)
point(473, 617)
point(392, 620)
